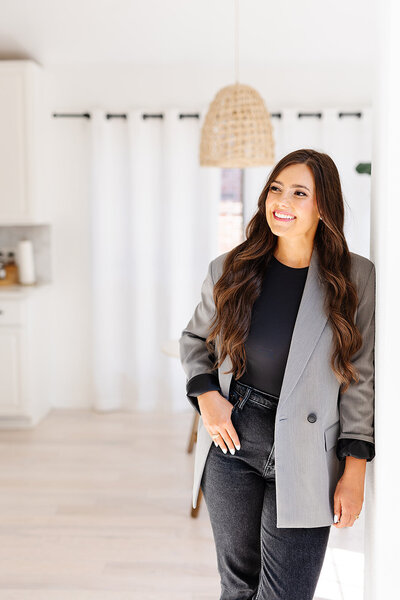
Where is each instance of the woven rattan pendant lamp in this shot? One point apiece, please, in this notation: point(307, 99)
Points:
point(237, 129)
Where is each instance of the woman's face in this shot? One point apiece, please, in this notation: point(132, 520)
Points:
point(293, 193)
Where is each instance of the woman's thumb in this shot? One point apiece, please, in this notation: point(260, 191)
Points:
point(337, 510)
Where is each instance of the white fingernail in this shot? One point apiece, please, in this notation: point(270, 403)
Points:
point(336, 519)
point(216, 443)
point(232, 450)
point(237, 447)
point(224, 450)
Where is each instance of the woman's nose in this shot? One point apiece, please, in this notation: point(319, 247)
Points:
point(285, 202)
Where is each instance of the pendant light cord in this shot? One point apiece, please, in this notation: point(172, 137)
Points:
point(237, 41)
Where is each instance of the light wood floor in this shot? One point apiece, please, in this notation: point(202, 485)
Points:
point(97, 506)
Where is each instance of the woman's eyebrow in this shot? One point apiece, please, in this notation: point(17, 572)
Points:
point(294, 185)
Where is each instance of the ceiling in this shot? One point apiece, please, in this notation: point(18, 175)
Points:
point(200, 32)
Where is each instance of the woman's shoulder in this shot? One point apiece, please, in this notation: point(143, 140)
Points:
point(217, 265)
point(361, 264)
point(361, 270)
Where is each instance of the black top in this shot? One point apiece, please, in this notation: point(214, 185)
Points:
point(273, 317)
point(267, 345)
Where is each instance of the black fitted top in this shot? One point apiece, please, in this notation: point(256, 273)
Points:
point(267, 345)
point(275, 312)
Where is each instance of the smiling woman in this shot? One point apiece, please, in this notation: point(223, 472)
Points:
point(286, 320)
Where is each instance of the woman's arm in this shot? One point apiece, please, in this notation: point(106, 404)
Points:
point(356, 407)
point(349, 493)
point(356, 404)
point(196, 361)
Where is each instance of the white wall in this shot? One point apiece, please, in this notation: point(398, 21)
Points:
point(290, 84)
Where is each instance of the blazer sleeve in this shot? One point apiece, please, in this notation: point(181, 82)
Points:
point(357, 404)
point(357, 448)
point(195, 359)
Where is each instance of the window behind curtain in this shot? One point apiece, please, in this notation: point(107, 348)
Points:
point(230, 221)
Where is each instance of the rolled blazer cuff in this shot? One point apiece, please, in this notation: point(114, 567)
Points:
point(357, 448)
point(200, 384)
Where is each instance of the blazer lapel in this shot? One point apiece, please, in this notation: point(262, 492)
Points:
point(310, 322)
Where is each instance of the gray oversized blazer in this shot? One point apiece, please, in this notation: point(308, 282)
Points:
point(306, 466)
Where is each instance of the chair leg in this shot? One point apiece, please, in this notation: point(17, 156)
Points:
point(192, 440)
point(195, 511)
point(193, 432)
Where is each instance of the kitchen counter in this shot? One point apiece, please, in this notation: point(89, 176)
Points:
point(19, 290)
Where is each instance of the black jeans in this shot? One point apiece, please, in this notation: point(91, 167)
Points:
point(257, 560)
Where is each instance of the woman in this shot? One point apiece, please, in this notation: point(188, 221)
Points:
point(279, 360)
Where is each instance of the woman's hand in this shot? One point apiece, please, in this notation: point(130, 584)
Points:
point(216, 414)
point(349, 494)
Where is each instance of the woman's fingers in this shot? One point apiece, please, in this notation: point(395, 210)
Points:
point(221, 442)
point(233, 435)
point(228, 439)
point(337, 507)
point(224, 442)
point(344, 517)
point(216, 413)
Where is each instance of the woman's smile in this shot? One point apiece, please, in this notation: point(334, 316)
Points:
point(283, 216)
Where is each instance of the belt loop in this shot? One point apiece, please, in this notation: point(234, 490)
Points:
point(244, 399)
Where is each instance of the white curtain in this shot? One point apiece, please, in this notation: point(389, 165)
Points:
point(154, 230)
point(154, 222)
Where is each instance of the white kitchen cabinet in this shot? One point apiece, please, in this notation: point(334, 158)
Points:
point(25, 355)
point(22, 135)
point(10, 360)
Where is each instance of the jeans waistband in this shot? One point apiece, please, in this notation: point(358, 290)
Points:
point(253, 393)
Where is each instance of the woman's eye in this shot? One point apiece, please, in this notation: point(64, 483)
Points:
point(273, 188)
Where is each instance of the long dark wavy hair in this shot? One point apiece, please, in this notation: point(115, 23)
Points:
point(240, 283)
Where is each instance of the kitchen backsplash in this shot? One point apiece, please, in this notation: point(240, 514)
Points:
point(40, 236)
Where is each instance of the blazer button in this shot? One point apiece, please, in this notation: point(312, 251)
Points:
point(312, 417)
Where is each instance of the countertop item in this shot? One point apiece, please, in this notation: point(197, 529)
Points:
point(25, 260)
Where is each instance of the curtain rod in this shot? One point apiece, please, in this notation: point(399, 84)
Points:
point(125, 116)
point(300, 115)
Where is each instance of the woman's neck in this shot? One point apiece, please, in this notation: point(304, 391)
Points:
point(292, 256)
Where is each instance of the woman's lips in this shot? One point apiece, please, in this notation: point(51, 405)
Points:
point(283, 218)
